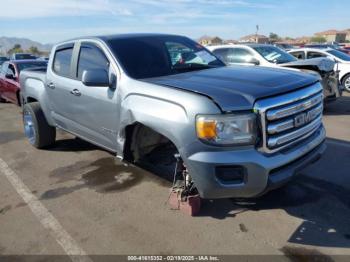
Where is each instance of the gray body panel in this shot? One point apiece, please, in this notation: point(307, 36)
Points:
point(169, 105)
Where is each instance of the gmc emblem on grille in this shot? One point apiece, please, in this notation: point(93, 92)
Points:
point(303, 119)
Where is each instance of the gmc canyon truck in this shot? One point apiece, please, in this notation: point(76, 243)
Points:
point(234, 132)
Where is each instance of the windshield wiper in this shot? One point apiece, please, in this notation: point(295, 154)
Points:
point(191, 66)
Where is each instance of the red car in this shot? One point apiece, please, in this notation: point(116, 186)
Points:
point(9, 78)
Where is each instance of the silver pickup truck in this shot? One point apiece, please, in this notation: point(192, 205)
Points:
point(236, 131)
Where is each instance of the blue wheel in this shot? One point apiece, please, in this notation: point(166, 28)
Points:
point(38, 132)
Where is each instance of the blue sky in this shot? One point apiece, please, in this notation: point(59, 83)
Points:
point(49, 21)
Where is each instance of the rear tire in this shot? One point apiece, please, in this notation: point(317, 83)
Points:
point(346, 82)
point(39, 133)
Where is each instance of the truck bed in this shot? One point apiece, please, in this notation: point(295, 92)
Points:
point(38, 74)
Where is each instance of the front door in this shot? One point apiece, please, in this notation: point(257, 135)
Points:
point(94, 108)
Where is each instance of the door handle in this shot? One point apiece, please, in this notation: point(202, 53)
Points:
point(51, 85)
point(75, 92)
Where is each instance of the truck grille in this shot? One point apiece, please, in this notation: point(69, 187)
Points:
point(290, 118)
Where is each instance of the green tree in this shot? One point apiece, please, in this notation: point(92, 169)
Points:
point(274, 37)
point(318, 39)
point(288, 38)
point(34, 50)
point(15, 49)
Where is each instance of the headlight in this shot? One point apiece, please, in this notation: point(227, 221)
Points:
point(240, 129)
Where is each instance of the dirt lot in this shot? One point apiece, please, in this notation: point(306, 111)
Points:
point(81, 196)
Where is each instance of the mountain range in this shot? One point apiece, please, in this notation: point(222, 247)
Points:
point(7, 43)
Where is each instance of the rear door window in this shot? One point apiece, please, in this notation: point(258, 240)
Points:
point(62, 62)
point(312, 54)
point(91, 57)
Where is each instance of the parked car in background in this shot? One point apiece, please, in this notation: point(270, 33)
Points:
point(43, 58)
point(3, 59)
point(327, 46)
point(22, 56)
point(271, 56)
point(283, 46)
point(237, 131)
point(343, 61)
point(323, 46)
point(9, 78)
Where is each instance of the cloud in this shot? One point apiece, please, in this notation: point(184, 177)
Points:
point(53, 20)
point(231, 3)
point(22, 9)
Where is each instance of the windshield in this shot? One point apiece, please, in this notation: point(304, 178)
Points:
point(22, 66)
point(274, 54)
point(154, 56)
point(339, 55)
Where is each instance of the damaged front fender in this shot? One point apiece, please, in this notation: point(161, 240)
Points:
point(326, 71)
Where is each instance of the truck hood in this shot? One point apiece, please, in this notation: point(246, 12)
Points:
point(322, 64)
point(237, 87)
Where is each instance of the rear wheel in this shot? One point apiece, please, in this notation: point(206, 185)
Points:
point(36, 128)
point(346, 82)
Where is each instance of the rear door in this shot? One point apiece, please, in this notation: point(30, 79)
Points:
point(59, 83)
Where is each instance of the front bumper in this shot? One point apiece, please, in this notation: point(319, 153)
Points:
point(262, 172)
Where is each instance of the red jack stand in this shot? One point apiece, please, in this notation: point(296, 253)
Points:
point(189, 205)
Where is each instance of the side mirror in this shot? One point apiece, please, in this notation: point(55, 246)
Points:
point(95, 77)
point(113, 82)
point(10, 76)
point(254, 61)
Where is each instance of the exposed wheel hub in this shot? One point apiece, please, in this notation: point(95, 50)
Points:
point(29, 129)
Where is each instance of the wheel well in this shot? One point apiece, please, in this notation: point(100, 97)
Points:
point(31, 100)
point(345, 76)
point(140, 137)
point(150, 150)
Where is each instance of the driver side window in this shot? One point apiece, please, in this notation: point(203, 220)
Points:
point(90, 58)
